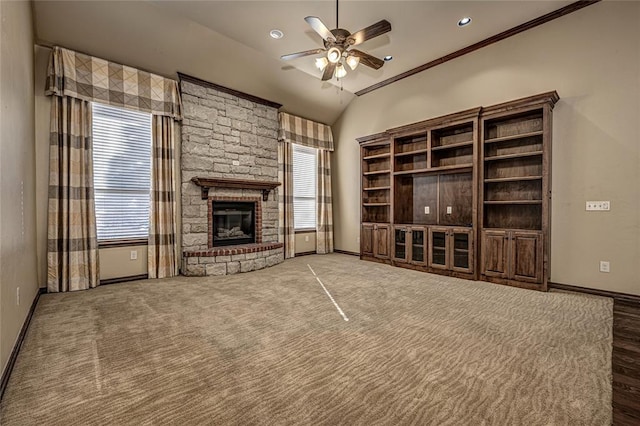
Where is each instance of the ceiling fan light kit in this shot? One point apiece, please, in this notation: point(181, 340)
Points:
point(333, 55)
point(321, 63)
point(337, 47)
point(353, 62)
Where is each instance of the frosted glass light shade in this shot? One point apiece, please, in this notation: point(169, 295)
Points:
point(353, 61)
point(333, 55)
point(321, 63)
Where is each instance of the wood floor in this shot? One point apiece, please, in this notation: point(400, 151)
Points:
point(626, 363)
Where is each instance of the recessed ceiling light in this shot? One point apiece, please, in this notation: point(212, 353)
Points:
point(464, 21)
point(388, 58)
point(276, 34)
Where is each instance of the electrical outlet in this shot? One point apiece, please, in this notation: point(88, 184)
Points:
point(449, 210)
point(18, 296)
point(306, 238)
point(598, 206)
point(235, 162)
point(134, 255)
point(604, 266)
point(426, 209)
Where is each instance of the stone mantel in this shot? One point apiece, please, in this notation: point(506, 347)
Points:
point(206, 183)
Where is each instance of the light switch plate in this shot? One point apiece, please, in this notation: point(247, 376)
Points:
point(449, 210)
point(598, 206)
point(426, 209)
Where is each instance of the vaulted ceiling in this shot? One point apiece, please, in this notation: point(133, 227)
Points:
point(228, 42)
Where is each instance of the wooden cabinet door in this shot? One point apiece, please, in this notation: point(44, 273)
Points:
point(495, 254)
point(438, 247)
point(400, 248)
point(461, 250)
point(381, 241)
point(418, 245)
point(366, 239)
point(526, 256)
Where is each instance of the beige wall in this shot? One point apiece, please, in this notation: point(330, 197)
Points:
point(592, 58)
point(305, 242)
point(17, 171)
point(114, 262)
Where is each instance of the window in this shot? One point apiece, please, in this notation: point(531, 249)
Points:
point(121, 172)
point(304, 187)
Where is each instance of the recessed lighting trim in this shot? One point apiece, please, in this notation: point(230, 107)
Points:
point(388, 58)
point(464, 21)
point(276, 34)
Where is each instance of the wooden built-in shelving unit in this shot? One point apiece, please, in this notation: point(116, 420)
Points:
point(467, 194)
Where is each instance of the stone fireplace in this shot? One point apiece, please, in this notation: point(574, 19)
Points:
point(229, 165)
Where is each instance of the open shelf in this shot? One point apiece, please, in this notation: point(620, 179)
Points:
point(377, 188)
point(510, 156)
point(460, 167)
point(376, 156)
point(452, 146)
point(514, 137)
point(376, 204)
point(514, 202)
point(513, 179)
point(407, 144)
point(376, 172)
point(414, 152)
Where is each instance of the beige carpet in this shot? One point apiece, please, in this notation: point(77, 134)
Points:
point(269, 347)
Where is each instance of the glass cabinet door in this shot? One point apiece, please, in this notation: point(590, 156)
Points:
point(438, 258)
point(417, 245)
point(461, 250)
point(400, 244)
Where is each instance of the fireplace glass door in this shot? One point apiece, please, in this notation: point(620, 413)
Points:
point(233, 223)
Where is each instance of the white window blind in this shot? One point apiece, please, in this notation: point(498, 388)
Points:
point(304, 187)
point(121, 172)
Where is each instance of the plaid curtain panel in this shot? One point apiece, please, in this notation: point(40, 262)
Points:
point(324, 211)
point(285, 200)
point(309, 133)
point(304, 132)
point(72, 242)
point(162, 258)
point(93, 79)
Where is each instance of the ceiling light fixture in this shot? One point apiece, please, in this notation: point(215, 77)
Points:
point(334, 54)
point(353, 62)
point(321, 63)
point(276, 34)
point(388, 58)
point(464, 21)
point(339, 47)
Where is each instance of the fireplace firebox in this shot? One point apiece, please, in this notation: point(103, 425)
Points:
point(234, 223)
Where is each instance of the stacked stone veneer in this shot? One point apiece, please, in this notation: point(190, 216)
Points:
point(219, 129)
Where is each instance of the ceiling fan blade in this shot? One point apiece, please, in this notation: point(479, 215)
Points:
point(301, 54)
point(328, 71)
point(370, 32)
point(366, 59)
point(320, 28)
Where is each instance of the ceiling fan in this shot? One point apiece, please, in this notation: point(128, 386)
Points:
point(338, 45)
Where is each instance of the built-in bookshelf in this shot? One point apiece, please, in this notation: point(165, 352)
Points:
point(467, 194)
point(515, 192)
point(376, 181)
